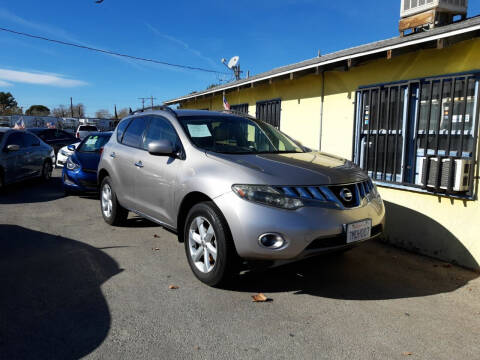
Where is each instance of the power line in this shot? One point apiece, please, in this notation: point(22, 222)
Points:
point(111, 52)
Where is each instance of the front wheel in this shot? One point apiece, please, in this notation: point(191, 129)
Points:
point(47, 170)
point(113, 213)
point(208, 245)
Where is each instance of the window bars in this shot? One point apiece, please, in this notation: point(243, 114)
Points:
point(404, 130)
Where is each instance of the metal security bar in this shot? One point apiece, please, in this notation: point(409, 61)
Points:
point(269, 111)
point(415, 133)
point(243, 108)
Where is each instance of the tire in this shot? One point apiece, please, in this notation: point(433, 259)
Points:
point(2, 181)
point(113, 213)
point(213, 270)
point(47, 169)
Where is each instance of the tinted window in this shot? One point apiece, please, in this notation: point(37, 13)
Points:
point(160, 129)
point(134, 133)
point(31, 140)
point(94, 143)
point(1, 136)
point(15, 139)
point(87, 128)
point(121, 129)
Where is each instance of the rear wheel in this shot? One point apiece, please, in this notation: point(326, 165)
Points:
point(208, 245)
point(47, 170)
point(113, 213)
point(2, 181)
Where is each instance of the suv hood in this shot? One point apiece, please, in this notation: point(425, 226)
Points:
point(311, 168)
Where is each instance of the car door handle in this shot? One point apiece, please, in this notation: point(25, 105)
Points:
point(139, 164)
point(113, 155)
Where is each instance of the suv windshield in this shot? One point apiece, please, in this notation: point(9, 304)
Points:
point(236, 135)
point(93, 143)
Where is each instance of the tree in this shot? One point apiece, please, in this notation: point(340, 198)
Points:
point(66, 111)
point(38, 110)
point(8, 105)
point(103, 114)
point(123, 113)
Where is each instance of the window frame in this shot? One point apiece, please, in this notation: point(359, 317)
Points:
point(411, 132)
point(140, 147)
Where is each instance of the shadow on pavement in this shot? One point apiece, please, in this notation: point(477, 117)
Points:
point(139, 222)
point(373, 271)
point(51, 304)
point(32, 191)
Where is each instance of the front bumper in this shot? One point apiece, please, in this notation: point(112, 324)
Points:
point(79, 180)
point(308, 231)
point(61, 160)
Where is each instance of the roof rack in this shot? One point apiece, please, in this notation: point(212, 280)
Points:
point(156, 107)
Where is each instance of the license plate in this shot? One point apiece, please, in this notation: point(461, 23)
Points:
point(359, 231)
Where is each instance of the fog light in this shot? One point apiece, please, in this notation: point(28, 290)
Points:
point(271, 241)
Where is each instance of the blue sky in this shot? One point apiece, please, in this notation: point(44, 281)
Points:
point(264, 33)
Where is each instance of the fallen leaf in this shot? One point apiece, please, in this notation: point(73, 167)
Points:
point(407, 314)
point(447, 266)
point(156, 236)
point(196, 347)
point(259, 298)
point(173, 287)
point(469, 289)
point(292, 335)
point(155, 249)
point(407, 353)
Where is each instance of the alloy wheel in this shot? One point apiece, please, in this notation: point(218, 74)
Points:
point(202, 244)
point(107, 204)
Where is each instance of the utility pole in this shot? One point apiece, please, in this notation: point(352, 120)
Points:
point(143, 102)
point(152, 98)
point(71, 106)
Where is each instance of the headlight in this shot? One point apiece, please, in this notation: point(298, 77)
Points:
point(266, 195)
point(64, 153)
point(71, 165)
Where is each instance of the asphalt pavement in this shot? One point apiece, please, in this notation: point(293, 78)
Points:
point(74, 287)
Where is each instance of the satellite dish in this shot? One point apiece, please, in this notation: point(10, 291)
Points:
point(233, 62)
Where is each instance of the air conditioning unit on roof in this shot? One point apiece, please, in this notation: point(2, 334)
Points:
point(413, 7)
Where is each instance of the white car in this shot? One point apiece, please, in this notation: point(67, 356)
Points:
point(63, 155)
point(84, 130)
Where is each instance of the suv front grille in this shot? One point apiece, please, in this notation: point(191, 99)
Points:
point(345, 196)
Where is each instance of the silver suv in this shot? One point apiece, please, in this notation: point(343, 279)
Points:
point(233, 188)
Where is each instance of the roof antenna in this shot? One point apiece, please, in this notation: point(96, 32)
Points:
point(130, 111)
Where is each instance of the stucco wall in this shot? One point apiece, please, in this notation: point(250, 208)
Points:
point(440, 227)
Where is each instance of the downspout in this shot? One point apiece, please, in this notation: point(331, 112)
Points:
point(321, 110)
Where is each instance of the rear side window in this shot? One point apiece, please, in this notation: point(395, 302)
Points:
point(31, 140)
point(134, 133)
point(1, 136)
point(121, 129)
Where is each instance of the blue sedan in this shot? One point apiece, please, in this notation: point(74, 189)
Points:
point(80, 172)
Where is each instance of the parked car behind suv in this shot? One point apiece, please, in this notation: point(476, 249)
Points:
point(84, 130)
point(80, 171)
point(54, 137)
point(234, 187)
point(23, 156)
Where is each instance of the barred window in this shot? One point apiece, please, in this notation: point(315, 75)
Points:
point(243, 108)
point(419, 134)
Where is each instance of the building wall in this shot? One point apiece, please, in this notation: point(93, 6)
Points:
point(440, 227)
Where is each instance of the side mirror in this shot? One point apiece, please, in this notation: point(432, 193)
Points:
point(71, 147)
point(161, 148)
point(13, 148)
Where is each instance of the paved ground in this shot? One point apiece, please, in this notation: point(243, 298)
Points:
point(73, 287)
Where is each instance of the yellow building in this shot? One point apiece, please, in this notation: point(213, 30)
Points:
point(388, 106)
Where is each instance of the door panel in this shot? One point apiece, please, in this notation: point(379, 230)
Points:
point(154, 188)
point(16, 166)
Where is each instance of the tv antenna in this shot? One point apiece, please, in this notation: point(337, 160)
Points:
point(234, 65)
